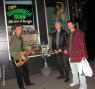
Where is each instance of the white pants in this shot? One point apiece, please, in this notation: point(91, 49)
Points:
point(78, 78)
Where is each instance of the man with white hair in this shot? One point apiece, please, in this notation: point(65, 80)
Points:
point(58, 46)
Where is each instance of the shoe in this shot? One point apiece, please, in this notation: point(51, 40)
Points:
point(60, 77)
point(30, 84)
point(22, 88)
point(73, 84)
point(66, 80)
point(80, 88)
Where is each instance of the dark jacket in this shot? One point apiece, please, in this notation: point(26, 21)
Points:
point(62, 40)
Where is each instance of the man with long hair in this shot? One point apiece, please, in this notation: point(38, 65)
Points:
point(58, 46)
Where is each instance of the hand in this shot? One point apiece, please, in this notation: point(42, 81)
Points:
point(55, 51)
point(59, 50)
point(22, 53)
point(83, 58)
point(65, 51)
point(23, 57)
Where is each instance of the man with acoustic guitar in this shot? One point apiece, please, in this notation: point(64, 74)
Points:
point(18, 54)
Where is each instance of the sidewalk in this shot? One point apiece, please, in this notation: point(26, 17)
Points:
point(49, 82)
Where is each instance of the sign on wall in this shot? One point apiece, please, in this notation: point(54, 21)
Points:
point(17, 13)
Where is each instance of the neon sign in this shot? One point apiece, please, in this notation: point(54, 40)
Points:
point(19, 14)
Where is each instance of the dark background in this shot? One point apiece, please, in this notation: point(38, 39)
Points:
point(88, 11)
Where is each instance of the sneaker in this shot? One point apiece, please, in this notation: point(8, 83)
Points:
point(60, 77)
point(22, 88)
point(30, 84)
point(80, 88)
point(66, 80)
point(73, 84)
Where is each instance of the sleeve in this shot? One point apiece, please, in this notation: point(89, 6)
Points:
point(53, 42)
point(83, 45)
point(66, 40)
point(13, 52)
point(63, 35)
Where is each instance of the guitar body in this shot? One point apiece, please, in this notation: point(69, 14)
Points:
point(21, 61)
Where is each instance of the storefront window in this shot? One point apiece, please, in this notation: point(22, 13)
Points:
point(23, 12)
